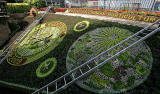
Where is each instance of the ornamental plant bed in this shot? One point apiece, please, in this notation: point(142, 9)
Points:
point(24, 77)
point(128, 16)
point(60, 9)
point(40, 41)
point(81, 26)
point(56, 9)
point(18, 7)
point(120, 74)
point(46, 68)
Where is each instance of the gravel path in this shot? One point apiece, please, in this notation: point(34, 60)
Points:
point(121, 21)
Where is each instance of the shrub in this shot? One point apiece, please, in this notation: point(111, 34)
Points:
point(38, 3)
point(14, 26)
point(18, 7)
point(141, 70)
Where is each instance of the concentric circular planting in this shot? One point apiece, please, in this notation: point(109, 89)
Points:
point(120, 74)
point(40, 41)
point(46, 67)
point(81, 26)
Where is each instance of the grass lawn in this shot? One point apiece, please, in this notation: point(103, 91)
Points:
point(26, 75)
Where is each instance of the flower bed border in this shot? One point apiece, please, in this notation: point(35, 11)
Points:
point(116, 14)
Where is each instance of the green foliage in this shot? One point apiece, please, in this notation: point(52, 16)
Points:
point(128, 66)
point(91, 85)
point(100, 61)
point(108, 37)
point(38, 3)
point(133, 60)
point(56, 5)
point(14, 26)
point(46, 67)
point(141, 70)
point(118, 85)
point(124, 57)
point(88, 50)
point(18, 8)
point(71, 54)
point(144, 56)
point(98, 80)
point(33, 50)
point(130, 81)
point(1, 51)
point(108, 70)
point(71, 62)
point(80, 50)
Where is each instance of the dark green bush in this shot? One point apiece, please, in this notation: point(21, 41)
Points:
point(18, 8)
point(39, 4)
point(14, 26)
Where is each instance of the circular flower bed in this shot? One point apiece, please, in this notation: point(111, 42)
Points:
point(81, 26)
point(120, 74)
point(46, 67)
point(40, 41)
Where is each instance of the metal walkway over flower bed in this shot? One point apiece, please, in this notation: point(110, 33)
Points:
point(129, 42)
point(141, 35)
point(22, 36)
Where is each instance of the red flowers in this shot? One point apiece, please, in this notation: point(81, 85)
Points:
point(60, 10)
point(56, 10)
point(63, 34)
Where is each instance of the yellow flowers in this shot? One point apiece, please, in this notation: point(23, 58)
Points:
point(17, 4)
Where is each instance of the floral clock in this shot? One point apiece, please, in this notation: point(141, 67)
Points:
point(120, 74)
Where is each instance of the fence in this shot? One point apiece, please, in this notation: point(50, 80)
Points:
point(139, 5)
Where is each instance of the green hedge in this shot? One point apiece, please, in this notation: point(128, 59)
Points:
point(14, 26)
point(39, 4)
point(18, 8)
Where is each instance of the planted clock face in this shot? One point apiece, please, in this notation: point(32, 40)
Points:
point(120, 74)
point(46, 67)
point(81, 26)
point(41, 40)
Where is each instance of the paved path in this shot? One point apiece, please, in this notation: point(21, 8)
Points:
point(121, 21)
